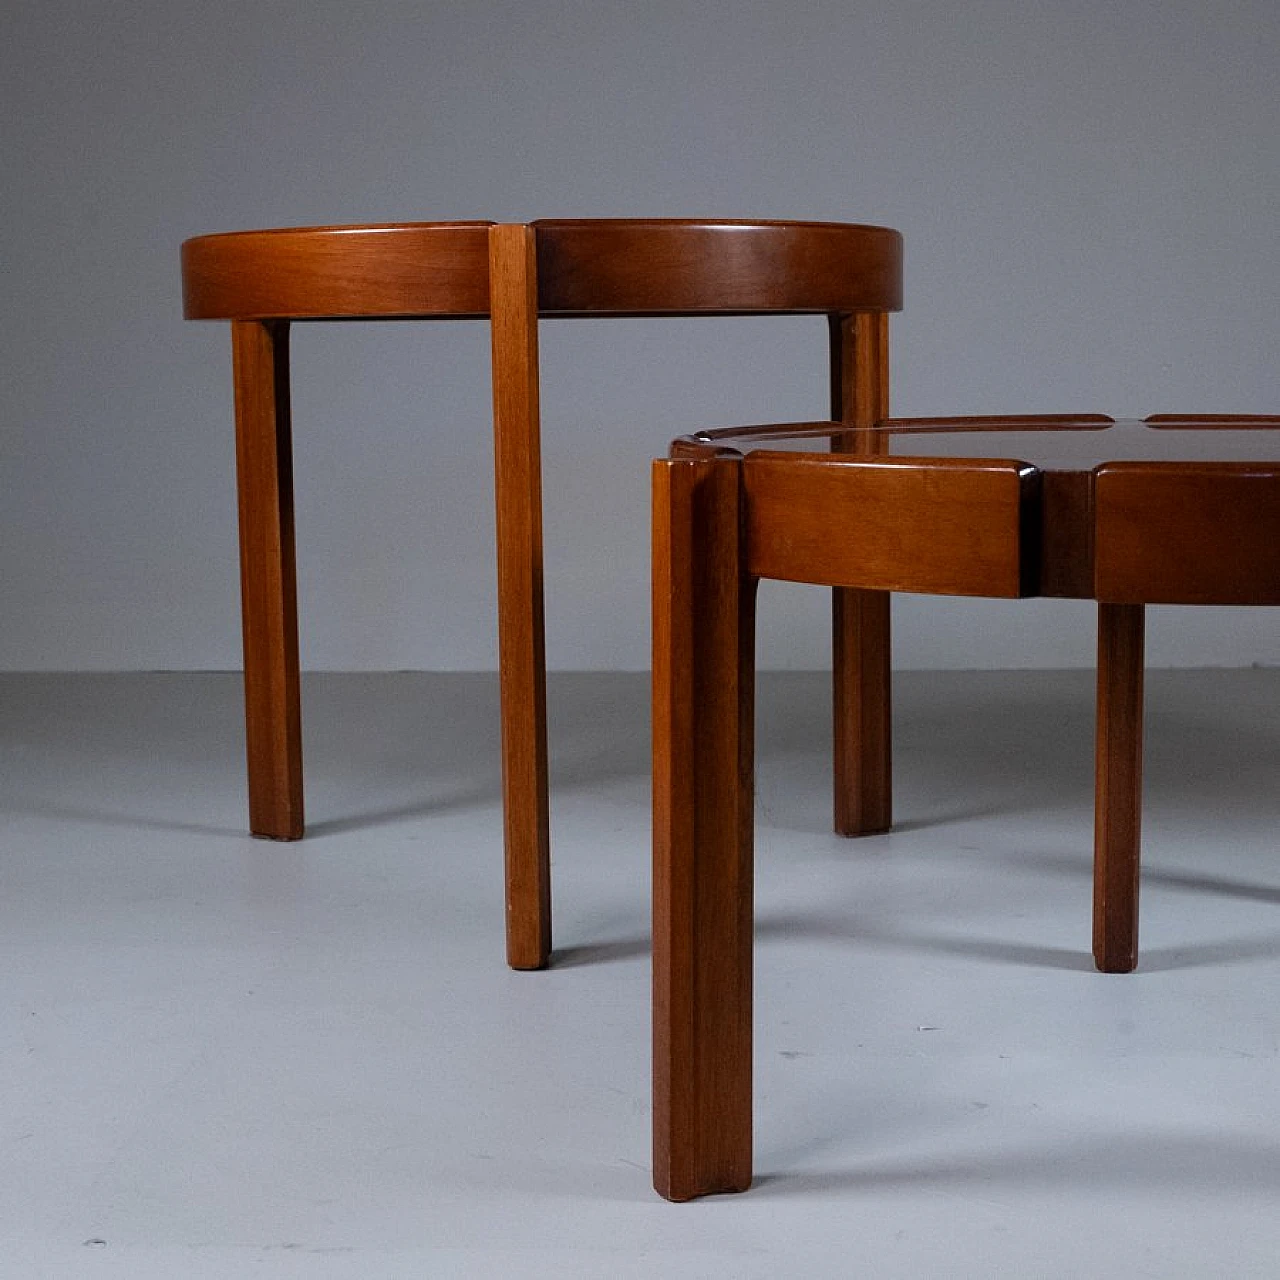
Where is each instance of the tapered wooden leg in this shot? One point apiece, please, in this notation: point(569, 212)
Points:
point(703, 678)
point(862, 728)
point(1118, 788)
point(268, 591)
point(521, 652)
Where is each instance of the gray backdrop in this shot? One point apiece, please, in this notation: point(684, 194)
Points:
point(1088, 193)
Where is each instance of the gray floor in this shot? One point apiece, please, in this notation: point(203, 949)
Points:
point(223, 1057)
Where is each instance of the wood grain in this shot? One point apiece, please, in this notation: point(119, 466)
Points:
point(522, 658)
point(668, 266)
point(861, 658)
point(946, 526)
point(1187, 533)
point(703, 691)
point(268, 591)
point(987, 527)
point(300, 273)
point(594, 267)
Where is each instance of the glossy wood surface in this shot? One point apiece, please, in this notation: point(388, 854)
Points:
point(861, 691)
point(1118, 787)
point(1066, 534)
point(301, 273)
point(522, 660)
point(588, 267)
point(606, 267)
point(953, 527)
point(1215, 421)
point(703, 691)
point(1187, 533)
point(269, 609)
point(1131, 531)
point(675, 267)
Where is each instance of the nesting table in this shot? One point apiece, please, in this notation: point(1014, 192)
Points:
point(1165, 510)
point(264, 282)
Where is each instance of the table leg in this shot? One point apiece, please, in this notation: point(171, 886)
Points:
point(1118, 787)
point(268, 590)
point(862, 725)
point(703, 695)
point(521, 646)
point(861, 689)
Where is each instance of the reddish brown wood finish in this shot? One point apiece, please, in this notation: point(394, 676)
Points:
point(300, 273)
point(433, 270)
point(269, 613)
point(1066, 534)
point(635, 266)
point(1126, 533)
point(862, 726)
point(946, 526)
point(719, 522)
point(703, 688)
point(522, 661)
point(861, 712)
point(1187, 533)
point(1210, 421)
point(261, 281)
point(1118, 787)
point(1164, 533)
point(996, 422)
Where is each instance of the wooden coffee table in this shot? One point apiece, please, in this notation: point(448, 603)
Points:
point(1167, 510)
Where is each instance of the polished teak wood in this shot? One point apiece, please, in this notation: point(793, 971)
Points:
point(728, 512)
point(522, 658)
point(265, 281)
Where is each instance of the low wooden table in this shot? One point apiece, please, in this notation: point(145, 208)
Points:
point(1167, 510)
